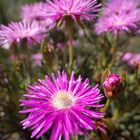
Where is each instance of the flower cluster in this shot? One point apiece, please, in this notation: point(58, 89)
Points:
point(119, 15)
point(39, 16)
point(61, 104)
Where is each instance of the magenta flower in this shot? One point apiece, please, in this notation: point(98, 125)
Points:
point(112, 84)
point(33, 11)
point(119, 16)
point(76, 9)
point(121, 6)
point(61, 104)
point(131, 58)
point(37, 11)
point(17, 31)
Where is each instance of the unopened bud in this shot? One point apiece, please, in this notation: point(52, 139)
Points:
point(101, 126)
point(112, 84)
point(105, 126)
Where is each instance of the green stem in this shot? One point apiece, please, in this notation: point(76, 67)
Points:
point(116, 114)
point(69, 28)
point(114, 50)
point(71, 51)
point(107, 105)
point(18, 52)
point(64, 55)
point(20, 60)
point(28, 59)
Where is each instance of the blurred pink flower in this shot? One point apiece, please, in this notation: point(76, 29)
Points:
point(37, 11)
point(37, 58)
point(60, 45)
point(119, 15)
point(49, 12)
point(17, 31)
point(131, 58)
point(77, 9)
point(121, 6)
point(14, 58)
point(33, 11)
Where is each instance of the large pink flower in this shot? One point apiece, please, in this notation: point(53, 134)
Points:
point(66, 106)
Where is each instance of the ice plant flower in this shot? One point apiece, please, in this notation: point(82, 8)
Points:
point(37, 11)
point(15, 32)
point(33, 11)
point(76, 9)
point(112, 84)
point(131, 58)
point(60, 104)
point(119, 6)
point(119, 15)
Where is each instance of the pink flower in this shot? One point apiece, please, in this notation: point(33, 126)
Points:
point(33, 11)
point(15, 32)
point(62, 105)
point(131, 58)
point(36, 59)
point(37, 11)
point(119, 15)
point(121, 6)
point(76, 9)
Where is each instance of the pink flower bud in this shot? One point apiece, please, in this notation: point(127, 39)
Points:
point(112, 84)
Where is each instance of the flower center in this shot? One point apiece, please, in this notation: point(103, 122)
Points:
point(63, 99)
